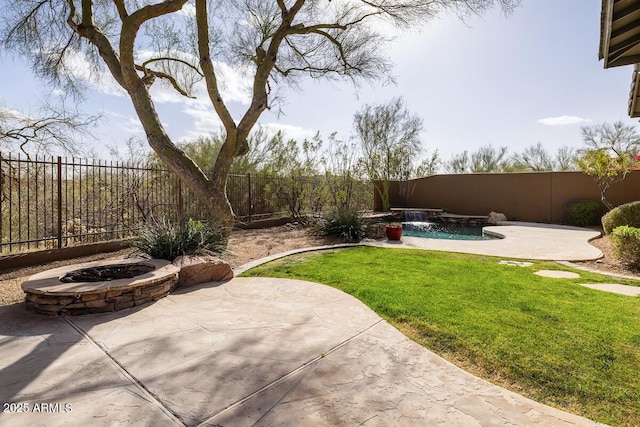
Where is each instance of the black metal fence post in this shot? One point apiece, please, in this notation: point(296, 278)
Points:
point(250, 196)
point(59, 202)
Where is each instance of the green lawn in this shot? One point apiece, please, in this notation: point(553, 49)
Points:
point(550, 339)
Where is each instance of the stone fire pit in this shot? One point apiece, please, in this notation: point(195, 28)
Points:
point(100, 286)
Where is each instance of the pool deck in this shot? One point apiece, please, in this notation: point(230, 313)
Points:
point(525, 240)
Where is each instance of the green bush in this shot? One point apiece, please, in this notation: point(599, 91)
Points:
point(582, 213)
point(347, 224)
point(168, 240)
point(627, 214)
point(626, 240)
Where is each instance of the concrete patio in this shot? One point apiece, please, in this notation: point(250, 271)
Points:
point(259, 351)
point(251, 351)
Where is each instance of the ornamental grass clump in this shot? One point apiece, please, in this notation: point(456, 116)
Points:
point(626, 240)
point(347, 224)
point(167, 239)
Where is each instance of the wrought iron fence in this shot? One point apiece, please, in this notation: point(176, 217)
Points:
point(54, 202)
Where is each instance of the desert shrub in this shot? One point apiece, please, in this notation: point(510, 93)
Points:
point(166, 239)
point(347, 224)
point(582, 213)
point(627, 214)
point(626, 240)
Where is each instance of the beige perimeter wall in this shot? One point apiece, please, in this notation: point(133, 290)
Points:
point(536, 196)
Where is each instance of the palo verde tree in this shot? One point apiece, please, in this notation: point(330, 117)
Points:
point(389, 138)
point(486, 159)
point(179, 42)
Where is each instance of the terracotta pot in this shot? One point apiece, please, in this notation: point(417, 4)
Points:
point(394, 233)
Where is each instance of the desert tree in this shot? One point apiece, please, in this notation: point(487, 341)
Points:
point(485, 159)
point(489, 159)
point(389, 137)
point(565, 159)
point(617, 138)
point(181, 42)
point(204, 151)
point(609, 155)
point(534, 158)
point(343, 169)
point(459, 163)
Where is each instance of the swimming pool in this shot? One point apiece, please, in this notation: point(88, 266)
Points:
point(437, 230)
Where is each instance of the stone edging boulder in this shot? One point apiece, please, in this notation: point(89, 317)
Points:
point(196, 269)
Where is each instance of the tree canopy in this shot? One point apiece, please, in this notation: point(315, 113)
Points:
point(142, 43)
point(610, 154)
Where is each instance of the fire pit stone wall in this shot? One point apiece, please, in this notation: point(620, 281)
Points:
point(47, 294)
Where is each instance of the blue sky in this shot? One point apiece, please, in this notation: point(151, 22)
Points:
point(507, 81)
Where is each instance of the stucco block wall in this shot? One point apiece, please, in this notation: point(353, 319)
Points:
point(538, 197)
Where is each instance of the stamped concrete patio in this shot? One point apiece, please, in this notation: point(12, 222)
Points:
point(251, 351)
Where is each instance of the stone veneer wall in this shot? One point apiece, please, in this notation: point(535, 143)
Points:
point(99, 302)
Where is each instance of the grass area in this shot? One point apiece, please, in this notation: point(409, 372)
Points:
point(550, 339)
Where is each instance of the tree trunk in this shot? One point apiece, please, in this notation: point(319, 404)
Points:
point(210, 192)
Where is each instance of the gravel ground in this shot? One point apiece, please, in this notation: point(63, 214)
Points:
point(610, 262)
point(248, 245)
point(244, 246)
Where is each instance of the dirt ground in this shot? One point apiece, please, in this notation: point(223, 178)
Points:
point(248, 245)
point(244, 246)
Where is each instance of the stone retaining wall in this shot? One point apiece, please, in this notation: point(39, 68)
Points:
point(99, 302)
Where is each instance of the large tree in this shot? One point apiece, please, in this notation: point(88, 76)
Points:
point(142, 42)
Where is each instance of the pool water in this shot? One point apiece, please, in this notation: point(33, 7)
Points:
point(435, 230)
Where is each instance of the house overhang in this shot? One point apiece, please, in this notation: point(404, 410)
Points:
point(620, 32)
point(620, 42)
point(634, 93)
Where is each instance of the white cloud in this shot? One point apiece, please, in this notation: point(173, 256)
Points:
point(562, 120)
point(205, 121)
point(289, 131)
point(234, 83)
point(125, 123)
point(188, 10)
point(13, 116)
point(77, 66)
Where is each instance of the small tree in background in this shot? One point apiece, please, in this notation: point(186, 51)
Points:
point(605, 169)
point(610, 154)
point(296, 165)
point(389, 138)
point(535, 158)
point(565, 159)
point(485, 160)
point(204, 151)
point(343, 171)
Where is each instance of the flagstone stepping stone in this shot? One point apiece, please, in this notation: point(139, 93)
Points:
point(557, 274)
point(616, 288)
point(516, 263)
